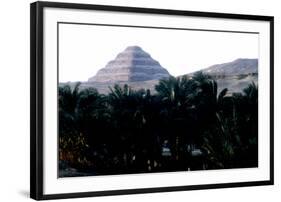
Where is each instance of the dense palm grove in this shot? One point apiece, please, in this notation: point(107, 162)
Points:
point(186, 125)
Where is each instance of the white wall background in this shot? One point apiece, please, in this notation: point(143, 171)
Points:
point(14, 100)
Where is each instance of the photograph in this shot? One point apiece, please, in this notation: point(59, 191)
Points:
point(139, 99)
point(134, 100)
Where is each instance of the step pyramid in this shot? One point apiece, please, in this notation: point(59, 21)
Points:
point(131, 65)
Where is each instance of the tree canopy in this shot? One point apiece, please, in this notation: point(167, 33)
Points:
point(186, 125)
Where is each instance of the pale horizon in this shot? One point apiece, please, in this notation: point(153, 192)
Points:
point(84, 49)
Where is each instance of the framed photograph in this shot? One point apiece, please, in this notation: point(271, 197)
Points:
point(131, 100)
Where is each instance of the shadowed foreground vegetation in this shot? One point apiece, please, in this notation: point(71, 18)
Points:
point(186, 125)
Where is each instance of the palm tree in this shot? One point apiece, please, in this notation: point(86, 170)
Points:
point(251, 93)
point(68, 101)
point(118, 93)
point(71, 140)
point(215, 135)
point(249, 126)
point(177, 91)
point(177, 113)
point(129, 118)
point(206, 90)
point(168, 89)
point(90, 103)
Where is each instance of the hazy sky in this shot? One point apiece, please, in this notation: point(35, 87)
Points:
point(84, 49)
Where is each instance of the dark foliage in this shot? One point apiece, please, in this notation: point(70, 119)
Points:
point(186, 125)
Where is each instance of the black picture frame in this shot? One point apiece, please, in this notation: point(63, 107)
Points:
point(37, 101)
